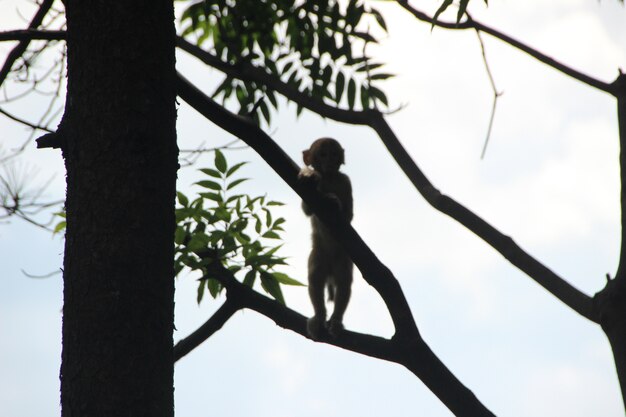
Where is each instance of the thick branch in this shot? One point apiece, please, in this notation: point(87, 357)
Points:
point(246, 71)
point(374, 272)
point(212, 325)
point(20, 48)
point(415, 354)
point(246, 297)
point(560, 288)
point(472, 24)
point(28, 35)
point(441, 381)
point(620, 85)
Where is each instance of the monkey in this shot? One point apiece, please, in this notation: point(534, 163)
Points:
point(329, 266)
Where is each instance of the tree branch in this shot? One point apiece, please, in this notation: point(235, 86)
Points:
point(470, 23)
point(561, 289)
point(20, 48)
point(28, 35)
point(462, 402)
point(572, 297)
point(246, 71)
point(374, 272)
point(620, 85)
point(24, 122)
point(202, 333)
point(415, 354)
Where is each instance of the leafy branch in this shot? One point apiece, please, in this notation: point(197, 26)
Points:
point(232, 230)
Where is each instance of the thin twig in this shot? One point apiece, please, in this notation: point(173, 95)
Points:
point(496, 93)
point(24, 122)
point(473, 24)
point(21, 47)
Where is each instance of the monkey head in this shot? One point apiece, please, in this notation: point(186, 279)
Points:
point(325, 155)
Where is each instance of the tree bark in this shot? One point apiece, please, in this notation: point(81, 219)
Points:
point(118, 137)
point(611, 301)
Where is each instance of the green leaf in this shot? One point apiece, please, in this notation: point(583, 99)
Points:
point(212, 196)
point(378, 94)
point(268, 217)
point(270, 235)
point(265, 111)
point(380, 76)
point(200, 291)
point(270, 285)
point(249, 278)
point(211, 172)
point(365, 97)
point(60, 226)
point(351, 93)
point(214, 287)
point(180, 235)
point(462, 8)
point(441, 9)
point(286, 279)
point(182, 199)
point(236, 183)
point(220, 161)
point(234, 168)
point(380, 19)
point(340, 84)
point(209, 184)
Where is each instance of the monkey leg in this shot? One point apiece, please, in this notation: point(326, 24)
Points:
point(342, 279)
point(317, 282)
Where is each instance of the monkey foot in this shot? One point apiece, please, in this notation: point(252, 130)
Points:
point(314, 327)
point(335, 327)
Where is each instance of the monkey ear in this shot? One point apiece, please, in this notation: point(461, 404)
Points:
point(306, 157)
point(342, 157)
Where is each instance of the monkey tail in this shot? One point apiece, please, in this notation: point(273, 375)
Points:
point(331, 293)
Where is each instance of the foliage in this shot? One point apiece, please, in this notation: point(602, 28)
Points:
point(230, 229)
point(462, 9)
point(318, 47)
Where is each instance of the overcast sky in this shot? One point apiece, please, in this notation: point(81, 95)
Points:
point(549, 180)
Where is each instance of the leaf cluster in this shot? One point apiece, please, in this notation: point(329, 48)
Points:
point(231, 229)
point(317, 47)
point(460, 12)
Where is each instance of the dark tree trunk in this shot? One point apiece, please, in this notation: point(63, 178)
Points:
point(611, 301)
point(118, 137)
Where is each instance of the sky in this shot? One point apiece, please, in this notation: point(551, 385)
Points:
point(549, 179)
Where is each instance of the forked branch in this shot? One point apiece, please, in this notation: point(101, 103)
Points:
point(470, 23)
point(575, 299)
point(406, 340)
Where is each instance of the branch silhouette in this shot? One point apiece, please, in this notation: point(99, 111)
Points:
point(406, 340)
point(21, 47)
point(561, 289)
point(572, 297)
point(415, 355)
point(470, 23)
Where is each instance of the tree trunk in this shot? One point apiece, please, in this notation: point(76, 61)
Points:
point(610, 303)
point(118, 137)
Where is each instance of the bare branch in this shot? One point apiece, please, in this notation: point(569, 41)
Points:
point(21, 47)
point(572, 297)
point(473, 24)
point(560, 288)
point(24, 122)
point(27, 35)
point(496, 94)
point(212, 325)
point(375, 273)
point(406, 338)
